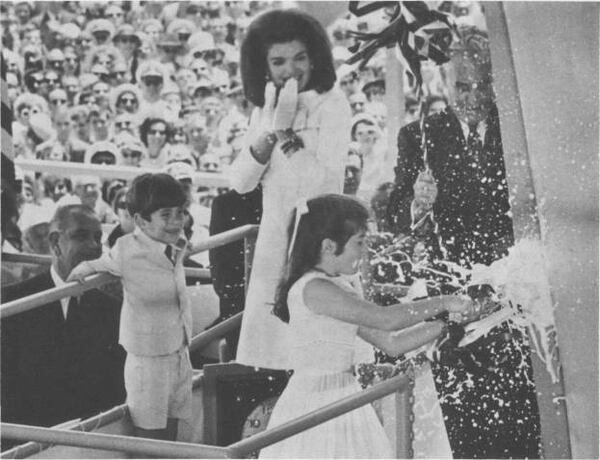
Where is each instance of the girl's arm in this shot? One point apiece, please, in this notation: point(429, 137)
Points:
point(326, 298)
point(399, 342)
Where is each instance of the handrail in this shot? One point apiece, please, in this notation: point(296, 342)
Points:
point(76, 289)
point(312, 419)
point(42, 259)
point(140, 446)
point(216, 332)
point(93, 423)
point(72, 289)
point(26, 258)
point(226, 237)
point(68, 168)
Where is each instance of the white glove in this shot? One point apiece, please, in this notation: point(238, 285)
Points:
point(266, 119)
point(285, 112)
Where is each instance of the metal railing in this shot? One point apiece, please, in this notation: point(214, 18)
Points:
point(399, 383)
point(76, 289)
point(67, 168)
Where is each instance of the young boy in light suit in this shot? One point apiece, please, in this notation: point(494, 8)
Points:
point(156, 319)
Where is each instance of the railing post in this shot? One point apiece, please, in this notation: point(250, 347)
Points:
point(405, 418)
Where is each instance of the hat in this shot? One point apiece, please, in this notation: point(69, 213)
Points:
point(151, 69)
point(55, 54)
point(180, 170)
point(203, 83)
point(87, 79)
point(170, 88)
point(201, 41)
point(181, 25)
point(41, 124)
point(97, 147)
point(126, 30)
point(169, 40)
point(69, 30)
point(100, 25)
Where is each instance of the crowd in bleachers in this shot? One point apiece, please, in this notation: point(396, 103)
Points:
point(157, 85)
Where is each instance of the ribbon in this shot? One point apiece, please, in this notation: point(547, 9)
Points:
point(301, 209)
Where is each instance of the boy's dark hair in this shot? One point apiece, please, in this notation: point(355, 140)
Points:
point(332, 216)
point(282, 26)
point(151, 192)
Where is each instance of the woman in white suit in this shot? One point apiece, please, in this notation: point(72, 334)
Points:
point(296, 147)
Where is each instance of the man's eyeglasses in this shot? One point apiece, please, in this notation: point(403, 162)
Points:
point(114, 15)
point(58, 101)
point(122, 124)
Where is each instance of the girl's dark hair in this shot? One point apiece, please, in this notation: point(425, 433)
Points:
point(283, 26)
point(151, 192)
point(332, 216)
point(145, 127)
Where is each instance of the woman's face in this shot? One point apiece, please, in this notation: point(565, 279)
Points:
point(128, 102)
point(365, 134)
point(289, 60)
point(157, 136)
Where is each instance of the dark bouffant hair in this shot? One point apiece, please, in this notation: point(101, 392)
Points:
point(332, 216)
point(283, 26)
point(145, 127)
point(151, 192)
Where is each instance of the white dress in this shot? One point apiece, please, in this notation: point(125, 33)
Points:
point(321, 352)
point(323, 123)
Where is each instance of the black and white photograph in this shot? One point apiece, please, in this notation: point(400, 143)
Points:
point(299, 229)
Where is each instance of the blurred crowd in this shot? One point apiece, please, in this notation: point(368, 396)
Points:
point(157, 85)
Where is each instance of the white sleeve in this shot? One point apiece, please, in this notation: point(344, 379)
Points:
point(245, 172)
point(333, 141)
point(108, 262)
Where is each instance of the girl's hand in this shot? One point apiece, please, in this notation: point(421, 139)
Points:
point(462, 308)
point(287, 104)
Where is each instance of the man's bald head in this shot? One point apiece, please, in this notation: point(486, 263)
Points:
point(75, 235)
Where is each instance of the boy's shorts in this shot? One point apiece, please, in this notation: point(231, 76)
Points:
point(158, 388)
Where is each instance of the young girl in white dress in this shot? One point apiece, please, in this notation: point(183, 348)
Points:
point(326, 314)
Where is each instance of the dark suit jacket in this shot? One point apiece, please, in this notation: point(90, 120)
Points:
point(472, 203)
point(229, 211)
point(55, 370)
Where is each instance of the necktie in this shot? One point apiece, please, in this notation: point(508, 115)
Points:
point(169, 253)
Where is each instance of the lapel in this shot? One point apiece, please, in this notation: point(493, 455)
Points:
point(446, 145)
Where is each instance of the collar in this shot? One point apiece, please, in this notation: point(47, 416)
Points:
point(481, 129)
point(58, 281)
point(158, 245)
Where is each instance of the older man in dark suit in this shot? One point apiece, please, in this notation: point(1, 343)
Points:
point(490, 411)
point(62, 360)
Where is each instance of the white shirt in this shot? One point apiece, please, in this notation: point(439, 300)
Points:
point(58, 282)
point(481, 130)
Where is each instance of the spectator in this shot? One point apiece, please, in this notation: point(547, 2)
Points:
point(154, 134)
point(62, 361)
point(354, 166)
point(357, 101)
point(132, 150)
point(126, 98)
point(125, 221)
point(435, 104)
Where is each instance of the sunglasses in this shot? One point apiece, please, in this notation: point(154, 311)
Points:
point(117, 75)
point(157, 132)
point(152, 81)
point(346, 82)
point(128, 100)
point(184, 36)
point(58, 101)
point(72, 60)
point(114, 15)
point(123, 124)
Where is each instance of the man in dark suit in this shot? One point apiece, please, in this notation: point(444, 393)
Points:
point(490, 410)
point(231, 210)
point(62, 360)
